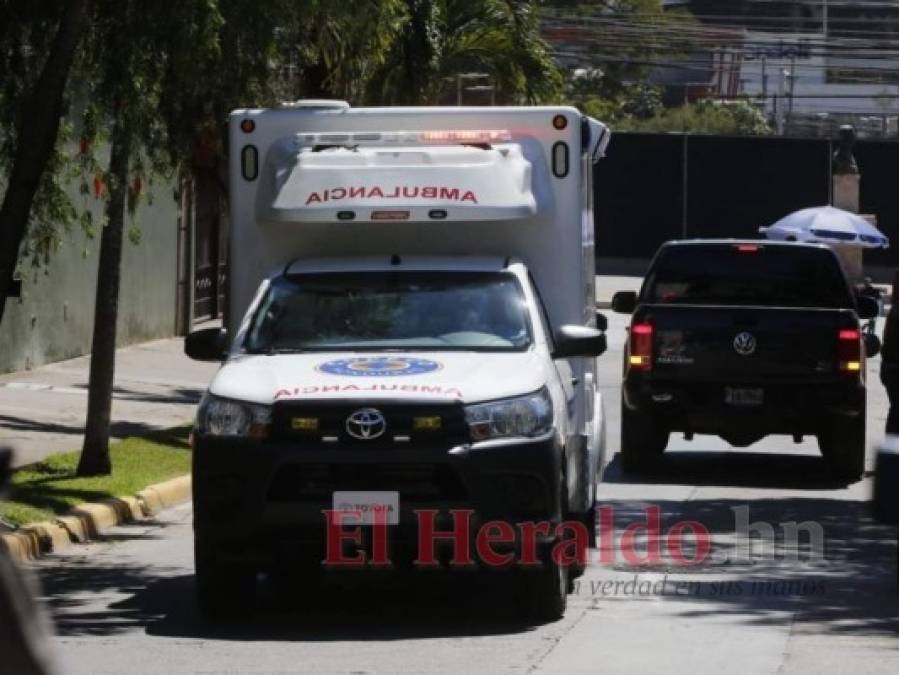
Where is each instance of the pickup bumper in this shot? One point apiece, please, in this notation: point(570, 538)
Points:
point(787, 407)
point(262, 502)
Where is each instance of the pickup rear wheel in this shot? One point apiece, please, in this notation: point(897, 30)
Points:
point(843, 448)
point(643, 440)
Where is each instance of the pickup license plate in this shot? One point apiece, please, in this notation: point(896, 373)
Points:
point(744, 396)
point(368, 504)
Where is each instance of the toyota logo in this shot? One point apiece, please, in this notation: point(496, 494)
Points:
point(366, 424)
point(745, 344)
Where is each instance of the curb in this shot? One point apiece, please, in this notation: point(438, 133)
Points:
point(86, 522)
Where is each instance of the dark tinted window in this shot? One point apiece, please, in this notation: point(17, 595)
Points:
point(734, 274)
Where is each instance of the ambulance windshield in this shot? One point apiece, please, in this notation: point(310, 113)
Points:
point(377, 311)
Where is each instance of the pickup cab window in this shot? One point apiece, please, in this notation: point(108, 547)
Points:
point(392, 310)
point(747, 274)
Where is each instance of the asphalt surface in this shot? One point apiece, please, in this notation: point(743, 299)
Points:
point(43, 410)
point(125, 605)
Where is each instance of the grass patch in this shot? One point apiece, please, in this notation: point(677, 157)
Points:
point(50, 488)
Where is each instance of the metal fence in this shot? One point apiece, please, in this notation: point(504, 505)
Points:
point(656, 187)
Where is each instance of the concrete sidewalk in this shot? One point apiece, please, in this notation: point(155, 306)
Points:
point(43, 410)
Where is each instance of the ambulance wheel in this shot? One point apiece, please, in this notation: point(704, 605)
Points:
point(224, 591)
point(843, 448)
point(546, 588)
point(643, 440)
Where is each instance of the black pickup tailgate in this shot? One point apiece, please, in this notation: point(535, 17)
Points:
point(737, 345)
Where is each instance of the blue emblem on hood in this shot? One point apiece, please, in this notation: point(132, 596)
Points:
point(378, 366)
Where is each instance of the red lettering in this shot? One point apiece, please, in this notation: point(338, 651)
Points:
point(282, 392)
point(379, 539)
point(334, 522)
point(469, 197)
point(449, 193)
point(357, 192)
point(571, 549)
point(338, 193)
point(410, 193)
point(494, 532)
point(529, 531)
point(313, 198)
point(429, 192)
point(675, 542)
point(375, 192)
point(394, 194)
point(460, 535)
point(652, 526)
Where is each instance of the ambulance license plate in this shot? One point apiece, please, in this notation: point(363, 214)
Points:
point(368, 504)
point(744, 397)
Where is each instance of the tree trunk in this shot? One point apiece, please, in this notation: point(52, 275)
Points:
point(36, 138)
point(95, 452)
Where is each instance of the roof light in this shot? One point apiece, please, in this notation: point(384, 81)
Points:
point(442, 137)
point(560, 122)
point(465, 136)
point(247, 126)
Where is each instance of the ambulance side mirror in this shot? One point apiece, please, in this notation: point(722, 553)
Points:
point(207, 344)
point(579, 341)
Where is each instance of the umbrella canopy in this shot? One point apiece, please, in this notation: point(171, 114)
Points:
point(827, 225)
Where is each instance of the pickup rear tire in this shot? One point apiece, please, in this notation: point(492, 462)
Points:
point(843, 448)
point(225, 591)
point(643, 440)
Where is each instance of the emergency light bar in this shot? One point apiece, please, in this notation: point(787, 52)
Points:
point(479, 136)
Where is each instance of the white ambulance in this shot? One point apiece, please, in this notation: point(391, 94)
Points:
point(411, 330)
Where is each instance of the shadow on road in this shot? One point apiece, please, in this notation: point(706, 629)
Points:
point(850, 590)
point(378, 606)
point(733, 468)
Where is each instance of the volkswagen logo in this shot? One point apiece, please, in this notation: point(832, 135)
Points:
point(745, 344)
point(366, 424)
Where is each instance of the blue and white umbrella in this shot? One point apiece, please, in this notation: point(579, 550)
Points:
point(827, 225)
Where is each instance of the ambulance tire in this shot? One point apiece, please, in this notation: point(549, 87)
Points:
point(224, 591)
point(546, 588)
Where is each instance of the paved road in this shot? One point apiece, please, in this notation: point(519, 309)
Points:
point(43, 410)
point(126, 606)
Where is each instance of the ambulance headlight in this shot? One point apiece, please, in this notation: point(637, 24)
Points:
point(530, 415)
point(222, 417)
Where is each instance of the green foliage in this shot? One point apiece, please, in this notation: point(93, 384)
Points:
point(171, 72)
point(706, 117)
point(439, 39)
point(51, 488)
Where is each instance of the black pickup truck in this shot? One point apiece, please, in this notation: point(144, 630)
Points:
point(744, 339)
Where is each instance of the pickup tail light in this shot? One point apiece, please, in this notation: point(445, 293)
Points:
point(641, 346)
point(849, 350)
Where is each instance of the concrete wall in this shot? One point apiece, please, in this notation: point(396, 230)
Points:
point(54, 318)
